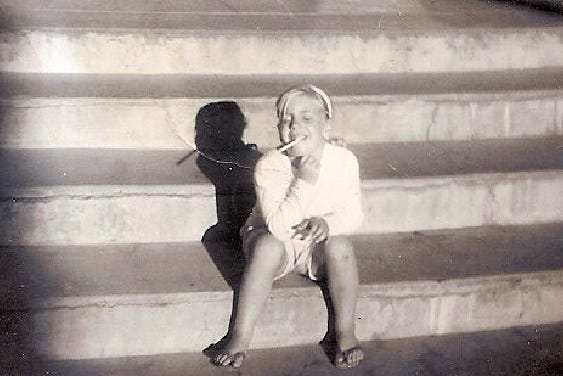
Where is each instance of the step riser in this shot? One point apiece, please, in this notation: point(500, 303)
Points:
point(163, 124)
point(265, 53)
point(89, 217)
point(118, 218)
point(110, 329)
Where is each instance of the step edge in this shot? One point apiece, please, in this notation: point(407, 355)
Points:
point(453, 96)
point(208, 190)
point(401, 289)
point(419, 32)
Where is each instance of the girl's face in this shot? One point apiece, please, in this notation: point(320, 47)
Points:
point(304, 117)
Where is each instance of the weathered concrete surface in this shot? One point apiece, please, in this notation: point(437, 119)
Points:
point(520, 351)
point(105, 323)
point(270, 15)
point(453, 202)
point(463, 85)
point(141, 214)
point(169, 123)
point(109, 301)
point(39, 273)
point(53, 169)
point(243, 7)
point(115, 326)
point(218, 6)
point(119, 214)
point(73, 196)
point(215, 52)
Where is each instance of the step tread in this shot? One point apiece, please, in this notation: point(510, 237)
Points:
point(101, 167)
point(516, 351)
point(286, 15)
point(33, 85)
point(251, 6)
point(32, 274)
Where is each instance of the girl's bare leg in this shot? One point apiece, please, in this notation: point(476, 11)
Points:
point(342, 273)
point(267, 259)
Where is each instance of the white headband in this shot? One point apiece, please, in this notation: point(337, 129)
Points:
point(284, 98)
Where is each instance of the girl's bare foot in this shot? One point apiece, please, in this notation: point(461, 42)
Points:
point(232, 355)
point(348, 353)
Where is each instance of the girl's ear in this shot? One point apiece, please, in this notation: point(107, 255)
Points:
point(327, 132)
point(331, 139)
point(337, 141)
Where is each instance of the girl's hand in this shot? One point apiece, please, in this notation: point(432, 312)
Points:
point(312, 229)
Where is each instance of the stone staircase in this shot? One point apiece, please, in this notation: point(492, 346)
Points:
point(454, 109)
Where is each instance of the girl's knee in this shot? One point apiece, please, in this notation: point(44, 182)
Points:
point(267, 248)
point(339, 248)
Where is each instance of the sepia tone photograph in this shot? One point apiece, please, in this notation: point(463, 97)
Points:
point(281, 187)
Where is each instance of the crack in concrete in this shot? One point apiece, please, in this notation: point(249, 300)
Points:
point(493, 205)
point(432, 122)
point(33, 200)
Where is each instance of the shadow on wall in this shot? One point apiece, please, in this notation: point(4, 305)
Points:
point(229, 164)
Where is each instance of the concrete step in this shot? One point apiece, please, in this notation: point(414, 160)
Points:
point(522, 351)
point(112, 301)
point(101, 52)
point(25, 169)
point(136, 214)
point(268, 15)
point(455, 39)
point(159, 111)
point(89, 196)
point(221, 7)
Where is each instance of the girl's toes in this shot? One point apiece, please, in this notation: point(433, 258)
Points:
point(223, 359)
point(238, 358)
point(349, 358)
point(339, 361)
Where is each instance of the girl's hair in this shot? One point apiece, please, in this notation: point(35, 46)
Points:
point(285, 97)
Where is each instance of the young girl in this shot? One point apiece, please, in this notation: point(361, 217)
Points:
point(308, 200)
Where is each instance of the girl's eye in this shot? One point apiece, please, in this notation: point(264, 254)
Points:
point(307, 117)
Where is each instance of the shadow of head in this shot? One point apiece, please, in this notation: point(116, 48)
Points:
point(219, 126)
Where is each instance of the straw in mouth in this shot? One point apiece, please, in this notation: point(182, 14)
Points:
point(291, 144)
